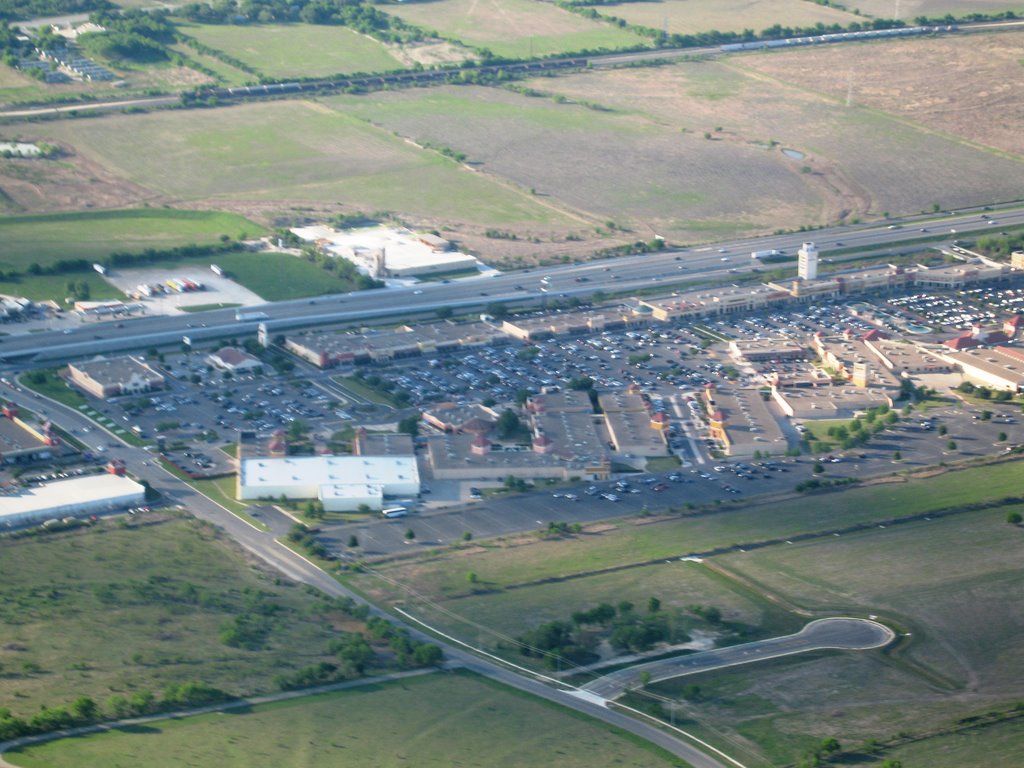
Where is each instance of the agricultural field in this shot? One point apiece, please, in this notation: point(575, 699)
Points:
point(952, 583)
point(45, 239)
point(858, 161)
point(968, 88)
point(267, 155)
point(296, 50)
point(437, 720)
point(125, 608)
point(607, 165)
point(688, 17)
point(515, 28)
point(911, 9)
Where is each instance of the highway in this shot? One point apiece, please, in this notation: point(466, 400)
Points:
point(703, 264)
point(838, 633)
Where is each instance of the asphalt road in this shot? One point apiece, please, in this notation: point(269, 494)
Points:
point(522, 288)
point(848, 634)
point(266, 548)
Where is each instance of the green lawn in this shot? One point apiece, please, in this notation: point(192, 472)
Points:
point(638, 540)
point(55, 388)
point(123, 608)
point(296, 50)
point(55, 287)
point(442, 720)
point(363, 389)
point(516, 28)
point(280, 277)
point(48, 238)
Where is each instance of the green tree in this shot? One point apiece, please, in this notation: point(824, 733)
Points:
point(410, 425)
point(653, 605)
point(943, 429)
point(428, 655)
point(353, 541)
point(85, 710)
point(1001, 437)
point(1014, 518)
point(818, 468)
point(508, 424)
point(467, 536)
point(951, 445)
point(897, 456)
point(443, 313)
point(830, 746)
point(297, 430)
point(410, 534)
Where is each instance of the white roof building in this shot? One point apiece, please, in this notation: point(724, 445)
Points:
point(406, 254)
point(342, 483)
point(76, 497)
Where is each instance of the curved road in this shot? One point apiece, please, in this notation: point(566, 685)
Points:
point(848, 634)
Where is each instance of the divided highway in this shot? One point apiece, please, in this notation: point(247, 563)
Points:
point(706, 264)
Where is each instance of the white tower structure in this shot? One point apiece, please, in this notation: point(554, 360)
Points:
point(807, 266)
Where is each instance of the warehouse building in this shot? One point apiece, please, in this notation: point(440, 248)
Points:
point(110, 377)
point(77, 497)
point(342, 483)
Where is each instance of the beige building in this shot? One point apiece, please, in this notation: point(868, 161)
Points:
point(740, 421)
point(1000, 368)
point(632, 428)
point(234, 360)
point(110, 377)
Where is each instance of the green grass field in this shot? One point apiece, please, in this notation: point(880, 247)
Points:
point(226, 73)
point(296, 50)
point(527, 560)
point(677, 585)
point(441, 720)
point(515, 28)
point(910, 9)
point(25, 240)
point(278, 276)
point(117, 610)
point(294, 151)
point(46, 287)
point(687, 17)
point(952, 583)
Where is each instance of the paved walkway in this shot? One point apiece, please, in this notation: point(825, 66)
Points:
point(848, 634)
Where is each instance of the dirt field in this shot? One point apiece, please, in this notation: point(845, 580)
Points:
point(641, 173)
point(860, 162)
point(685, 17)
point(70, 182)
point(219, 290)
point(968, 87)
